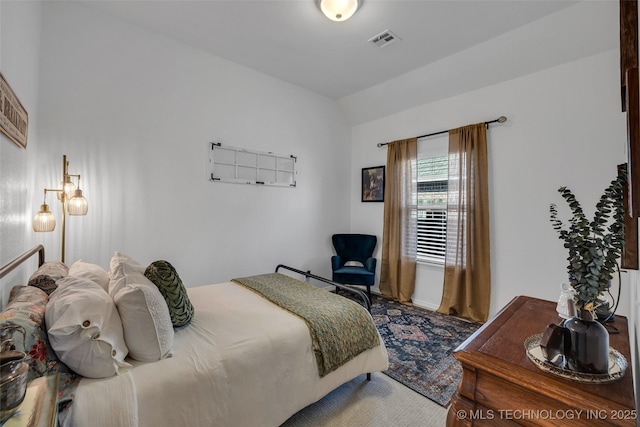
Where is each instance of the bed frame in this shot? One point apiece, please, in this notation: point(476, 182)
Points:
point(22, 258)
point(307, 274)
point(357, 292)
point(360, 296)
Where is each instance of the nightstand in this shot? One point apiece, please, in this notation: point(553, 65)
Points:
point(40, 405)
point(501, 387)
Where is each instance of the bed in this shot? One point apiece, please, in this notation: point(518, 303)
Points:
point(241, 360)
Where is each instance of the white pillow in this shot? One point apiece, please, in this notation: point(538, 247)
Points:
point(146, 321)
point(119, 266)
point(90, 271)
point(84, 328)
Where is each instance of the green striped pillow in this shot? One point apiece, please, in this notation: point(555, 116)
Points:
point(165, 277)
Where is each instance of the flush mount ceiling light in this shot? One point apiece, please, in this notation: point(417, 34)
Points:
point(339, 10)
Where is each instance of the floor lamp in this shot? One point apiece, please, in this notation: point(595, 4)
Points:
point(73, 203)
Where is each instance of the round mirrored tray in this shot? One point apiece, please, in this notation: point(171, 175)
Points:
point(617, 364)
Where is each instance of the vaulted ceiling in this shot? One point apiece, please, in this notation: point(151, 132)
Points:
point(293, 41)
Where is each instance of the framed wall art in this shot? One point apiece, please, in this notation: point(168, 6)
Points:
point(373, 184)
point(14, 121)
point(245, 166)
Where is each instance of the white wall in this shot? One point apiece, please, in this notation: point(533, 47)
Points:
point(134, 112)
point(19, 63)
point(579, 30)
point(565, 128)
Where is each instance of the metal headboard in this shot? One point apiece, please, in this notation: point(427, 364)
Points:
point(22, 258)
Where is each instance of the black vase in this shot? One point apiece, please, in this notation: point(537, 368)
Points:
point(587, 349)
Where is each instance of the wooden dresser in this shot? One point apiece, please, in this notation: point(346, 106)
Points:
point(501, 386)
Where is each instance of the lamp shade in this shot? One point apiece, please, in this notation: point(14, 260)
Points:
point(78, 204)
point(44, 220)
point(67, 188)
point(339, 10)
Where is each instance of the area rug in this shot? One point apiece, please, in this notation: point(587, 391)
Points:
point(420, 343)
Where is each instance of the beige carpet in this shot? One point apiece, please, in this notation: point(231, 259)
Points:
point(381, 402)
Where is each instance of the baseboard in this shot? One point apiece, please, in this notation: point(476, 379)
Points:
point(425, 304)
point(418, 303)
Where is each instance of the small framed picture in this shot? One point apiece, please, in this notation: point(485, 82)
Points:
point(373, 184)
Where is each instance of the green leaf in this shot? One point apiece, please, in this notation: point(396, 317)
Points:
point(593, 247)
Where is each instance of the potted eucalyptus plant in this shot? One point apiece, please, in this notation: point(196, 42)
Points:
point(594, 248)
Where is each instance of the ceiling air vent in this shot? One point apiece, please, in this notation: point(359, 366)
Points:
point(383, 39)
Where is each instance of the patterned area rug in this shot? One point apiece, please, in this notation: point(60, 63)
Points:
point(420, 344)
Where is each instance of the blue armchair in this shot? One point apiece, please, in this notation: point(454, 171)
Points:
point(354, 247)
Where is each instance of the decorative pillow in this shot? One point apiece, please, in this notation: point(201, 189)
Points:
point(84, 328)
point(119, 266)
point(166, 278)
point(23, 318)
point(54, 269)
point(90, 271)
point(44, 283)
point(147, 326)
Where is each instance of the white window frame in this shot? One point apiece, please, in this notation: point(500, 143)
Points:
point(431, 148)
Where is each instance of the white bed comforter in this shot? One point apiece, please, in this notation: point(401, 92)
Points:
point(242, 361)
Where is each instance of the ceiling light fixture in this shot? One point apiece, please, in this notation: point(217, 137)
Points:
point(339, 10)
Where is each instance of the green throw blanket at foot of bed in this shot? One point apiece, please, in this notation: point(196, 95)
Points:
point(340, 328)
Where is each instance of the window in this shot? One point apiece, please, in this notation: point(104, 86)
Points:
point(432, 171)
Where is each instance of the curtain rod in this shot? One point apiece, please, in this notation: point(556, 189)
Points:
point(500, 119)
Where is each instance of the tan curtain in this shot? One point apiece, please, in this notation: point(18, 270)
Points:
point(398, 267)
point(467, 274)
